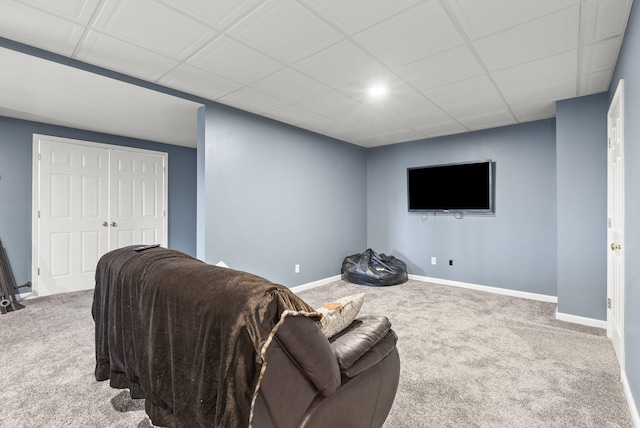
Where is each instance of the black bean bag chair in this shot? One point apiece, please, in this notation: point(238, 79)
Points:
point(371, 268)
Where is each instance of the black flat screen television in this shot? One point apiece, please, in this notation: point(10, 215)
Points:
point(452, 188)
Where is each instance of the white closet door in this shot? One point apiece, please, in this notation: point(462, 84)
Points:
point(73, 192)
point(91, 198)
point(137, 213)
point(616, 223)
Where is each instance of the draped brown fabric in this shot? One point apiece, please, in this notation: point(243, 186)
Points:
point(187, 336)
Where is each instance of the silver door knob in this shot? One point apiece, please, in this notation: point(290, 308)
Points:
point(105, 224)
point(615, 247)
point(114, 224)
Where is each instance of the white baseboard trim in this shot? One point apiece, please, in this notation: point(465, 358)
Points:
point(506, 292)
point(591, 322)
point(314, 284)
point(632, 404)
point(488, 289)
point(26, 296)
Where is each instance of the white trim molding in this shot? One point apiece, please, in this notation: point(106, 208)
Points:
point(314, 284)
point(591, 322)
point(488, 289)
point(514, 293)
point(632, 404)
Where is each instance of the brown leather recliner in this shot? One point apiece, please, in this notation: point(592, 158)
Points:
point(349, 380)
point(196, 340)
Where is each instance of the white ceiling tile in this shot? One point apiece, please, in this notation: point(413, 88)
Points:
point(536, 112)
point(326, 125)
point(401, 135)
point(420, 119)
point(51, 32)
point(355, 15)
point(198, 82)
point(595, 82)
point(290, 85)
point(479, 87)
point(558, 90)
point(369, 141)
point(122, 19)
point(117, 55)
point(368, 119)
point(490, 120)
point(79, 11)
point(534, 73)
point(380, 127)
point(445, 128)
point(537, 39)
point(286, 30)
point(400, 105)
point(340, 64)
point(350, 134)
point(476, 107)
point(292, 114)
point(447, 67)
point(252, 100)
point(605, 19)
point(417, 33)
point(233, 60)
point(329, 104)
point(601, 55)
point(217, 14)
point(481, 18)
point(359, 91)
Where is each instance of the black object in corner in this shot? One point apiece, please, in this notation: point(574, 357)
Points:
point(8, 301)
point(371, 268)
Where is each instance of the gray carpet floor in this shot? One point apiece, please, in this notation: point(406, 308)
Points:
point(469, 359)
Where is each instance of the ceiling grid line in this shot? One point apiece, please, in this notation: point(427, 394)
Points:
point(388, 69)
point(471, 47)
point(88, 28)
point(581, 38)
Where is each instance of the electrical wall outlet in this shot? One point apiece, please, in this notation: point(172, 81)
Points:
point(297, 268)
point(433, 260)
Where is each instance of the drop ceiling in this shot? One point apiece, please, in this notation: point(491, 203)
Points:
point(450, 66)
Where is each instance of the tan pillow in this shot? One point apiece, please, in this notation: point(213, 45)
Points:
point(339, 314)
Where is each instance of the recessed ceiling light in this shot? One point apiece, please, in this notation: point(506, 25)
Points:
point(377, 90)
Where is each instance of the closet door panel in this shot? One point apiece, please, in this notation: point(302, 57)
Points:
point(73, 203)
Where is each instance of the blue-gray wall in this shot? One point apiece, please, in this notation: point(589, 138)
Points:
point(16, 146)
point(628, 68)
point(15, 197)
point(277, 196)
point(515, 249)
point(581, 160)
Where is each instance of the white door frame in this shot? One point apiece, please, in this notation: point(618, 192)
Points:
point(35, 193)
point(615, 230)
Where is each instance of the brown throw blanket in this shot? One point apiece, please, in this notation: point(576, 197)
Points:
point(189, 337)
